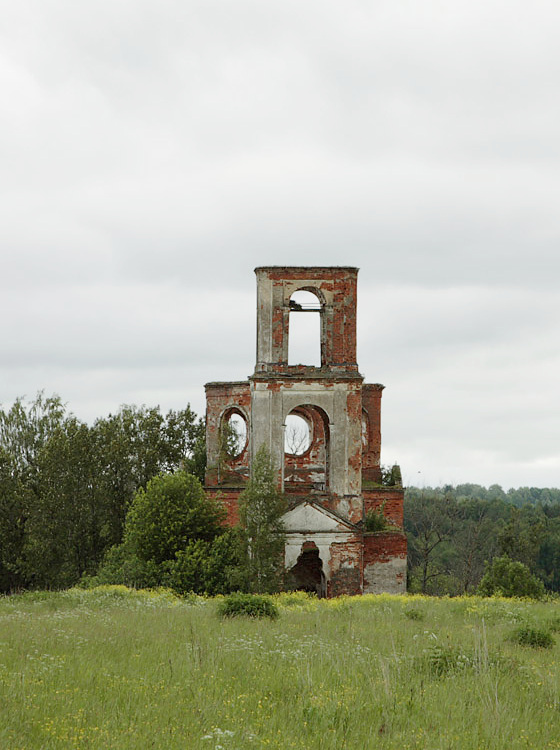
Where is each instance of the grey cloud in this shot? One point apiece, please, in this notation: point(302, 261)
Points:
point(153, 155)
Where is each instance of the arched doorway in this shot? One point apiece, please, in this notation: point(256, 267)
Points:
point(307, 574)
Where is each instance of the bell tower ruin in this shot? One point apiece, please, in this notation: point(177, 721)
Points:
point(330, 471)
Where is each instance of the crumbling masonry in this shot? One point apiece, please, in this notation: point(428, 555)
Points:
point(334, 480)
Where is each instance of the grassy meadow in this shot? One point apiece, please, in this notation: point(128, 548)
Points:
point(113, 668)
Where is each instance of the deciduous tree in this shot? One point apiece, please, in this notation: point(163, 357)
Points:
point(261, 507)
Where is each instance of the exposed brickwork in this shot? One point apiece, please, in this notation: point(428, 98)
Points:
point(371, 415)
point(387, 499)
point(336, 288)
point(344, 415)
point(223, 400)
point(384, 546)
point(384, 561)
point(229, 498)
point(345, 568)
point(308, 470)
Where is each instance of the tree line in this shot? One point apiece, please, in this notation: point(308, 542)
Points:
point(66, 486)
point(121, 500)
point(454, 533)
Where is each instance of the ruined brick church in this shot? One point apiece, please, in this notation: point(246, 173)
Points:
point(332, 475)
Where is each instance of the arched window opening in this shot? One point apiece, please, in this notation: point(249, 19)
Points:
point(234, 435)
point(306, 450)
point(297, 435)
point(304, 345)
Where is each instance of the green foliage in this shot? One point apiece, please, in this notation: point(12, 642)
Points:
point(554, 625)
point(454, 531)
point(65, 529)
point(506, 577)
point(444, 660)
point(172, 511)
point(248, 605)
point(135, 445)
point(206, 567)
point(25, 432)
point(26, 428)
point(430, 520)
point(122, 566)
point(13, 508)
point(65, 487)
point(391, 476)
point(174, 537)
point(413, 613)
point(532, 636)
point(261, 508)
point(375, 521)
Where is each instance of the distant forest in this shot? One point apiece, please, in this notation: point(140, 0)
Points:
point(453, 531)
point(66, 487)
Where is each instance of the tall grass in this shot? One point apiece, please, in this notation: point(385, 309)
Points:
point(113, 668)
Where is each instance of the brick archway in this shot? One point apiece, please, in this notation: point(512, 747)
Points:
point(309, 471)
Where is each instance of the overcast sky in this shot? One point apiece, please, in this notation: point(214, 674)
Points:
point(153, 153)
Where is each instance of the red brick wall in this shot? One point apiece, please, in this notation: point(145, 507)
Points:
point(345, 568)
point(384, 562)
point(229, 498)
point(371, 404)
point(387, 498)
point(384, 546)
point(339, 336)
point(221, 400)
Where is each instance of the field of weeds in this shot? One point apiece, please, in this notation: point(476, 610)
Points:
point(114, 668)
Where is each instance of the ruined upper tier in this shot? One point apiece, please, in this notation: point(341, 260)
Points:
point(336, 290)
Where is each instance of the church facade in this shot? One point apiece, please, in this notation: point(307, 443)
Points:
point(321, 425)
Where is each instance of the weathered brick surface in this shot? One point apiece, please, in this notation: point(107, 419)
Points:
point(383, 546)
point(229, 498)
point(223, 400)
point(371, 415)
point(384, 562)
point(345, 568)
point(386, 499)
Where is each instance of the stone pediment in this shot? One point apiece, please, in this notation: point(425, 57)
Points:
point(309, 517)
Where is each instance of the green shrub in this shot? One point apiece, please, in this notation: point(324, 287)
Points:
point(122, 566)
point(534, 637)
point(248, 605)
point(443, 660)
point(375, 521)
point(172, 511)
point(201, 567)
point(506, 577)
point(391, 476)
point(413, 613)
point(206, 567)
